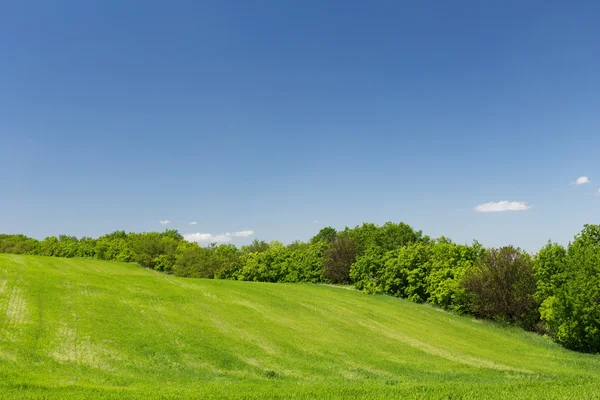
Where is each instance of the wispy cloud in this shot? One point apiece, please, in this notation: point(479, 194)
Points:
point(165, 222)
point(502, 206)
point(315, 222)
point(243, 233)
point(193, 223)
point(219, 238)
point(582, 180)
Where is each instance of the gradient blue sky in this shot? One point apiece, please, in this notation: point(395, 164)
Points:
point(282, 117)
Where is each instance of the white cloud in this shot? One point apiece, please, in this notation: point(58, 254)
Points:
point(315, 222)
point(193, 223)
point(581, 180)
point(197, 237)
point(219, 238)
point(165, 222)
point(244, 233)
point(502, 206)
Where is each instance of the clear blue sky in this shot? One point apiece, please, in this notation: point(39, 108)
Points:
point(282, 117)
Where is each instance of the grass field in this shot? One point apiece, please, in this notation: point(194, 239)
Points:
point(82, 328)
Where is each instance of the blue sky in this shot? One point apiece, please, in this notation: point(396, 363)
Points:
point(283, 117)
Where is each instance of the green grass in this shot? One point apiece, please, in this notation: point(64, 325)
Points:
point(81, 328)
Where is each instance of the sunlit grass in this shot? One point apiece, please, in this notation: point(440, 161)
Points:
point(82, 328)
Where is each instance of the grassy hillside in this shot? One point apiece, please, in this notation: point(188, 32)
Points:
point(82, 328)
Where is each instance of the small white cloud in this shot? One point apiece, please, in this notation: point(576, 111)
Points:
point(165, 222)
point(219, 238)
point(197, 237)
point(315, 222)
point(244, 233)
point(582, 180)
point(193, 223)
point(502, 206)
point(206, 237)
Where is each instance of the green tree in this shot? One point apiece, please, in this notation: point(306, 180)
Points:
point(338, 257)
point(18, 244)
point(268, 266)
point(405, 272)
point(549, 270)
point(366, 272)
point(573, 313)
point(305, 262)
point(448, 264)
point(257, 246)
point(501, 285)
point(325, 235)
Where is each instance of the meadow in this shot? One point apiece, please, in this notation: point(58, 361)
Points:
point(86, 328)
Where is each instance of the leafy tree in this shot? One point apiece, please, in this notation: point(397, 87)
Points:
point(268, 266)
point(115, 248)
point(502, 287)
point(366, 272)
point(163, 263)
point(573, 313)
point(257, 246)
point(549, 271)
point(305, 263)
point(338, 257)
point(18, 244)
point(214, 261)
point(227, 262)
point(325, 235)
point(393, 236)
point(48, 246)
point(405, 272)
point(187, 260)
point(149, 246)
point(388, 237)
point(86, 247)
point(448, 264)
point(172, 234)
point(67, 247)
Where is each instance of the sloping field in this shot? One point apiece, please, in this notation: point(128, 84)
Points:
point(82, 328)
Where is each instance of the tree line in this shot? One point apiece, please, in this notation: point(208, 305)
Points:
point(555, 291)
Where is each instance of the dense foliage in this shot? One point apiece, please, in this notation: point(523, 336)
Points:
point(556, 291)
point(571, 282)
point(502, 287)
